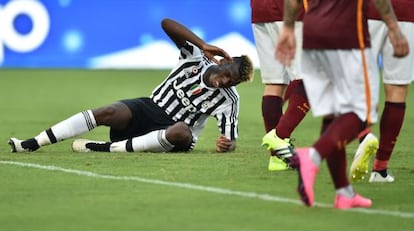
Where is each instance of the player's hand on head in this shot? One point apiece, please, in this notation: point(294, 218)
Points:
point(211, 51)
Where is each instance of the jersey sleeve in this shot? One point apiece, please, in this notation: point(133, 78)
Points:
point(190, 51)
point(227, 115)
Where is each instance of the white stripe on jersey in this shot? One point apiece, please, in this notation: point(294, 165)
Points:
point(184, 96)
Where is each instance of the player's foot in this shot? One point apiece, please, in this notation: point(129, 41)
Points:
point(307, 173)
point(381, 177)
point(84, 145)
point(367, 148)
point(276, 164)
point(343, 202)
point(17, 145)
point(283, 148)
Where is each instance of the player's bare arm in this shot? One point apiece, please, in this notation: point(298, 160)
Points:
point(286, 46)
point(179, 34)
point(210, 51)
point(291, 11)
point(397, 39)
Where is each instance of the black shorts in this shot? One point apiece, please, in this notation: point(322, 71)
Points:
point(146, 117)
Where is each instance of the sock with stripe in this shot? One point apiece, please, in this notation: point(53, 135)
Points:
point(75, 125)
point(154, 141)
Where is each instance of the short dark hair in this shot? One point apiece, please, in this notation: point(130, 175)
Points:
point(246, 70)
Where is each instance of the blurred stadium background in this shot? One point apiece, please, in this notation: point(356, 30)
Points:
point(115, 34)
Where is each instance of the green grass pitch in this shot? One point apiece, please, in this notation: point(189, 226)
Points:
point(56, 189)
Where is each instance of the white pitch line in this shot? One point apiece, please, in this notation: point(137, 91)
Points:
point(265, 197)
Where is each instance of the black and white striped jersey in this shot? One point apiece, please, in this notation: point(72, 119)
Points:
point(184, 96)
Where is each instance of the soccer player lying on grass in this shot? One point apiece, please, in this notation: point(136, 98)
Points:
point(177, 110)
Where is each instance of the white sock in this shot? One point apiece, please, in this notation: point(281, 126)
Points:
point(346, 191)
point(315, 156)
point(154, 141)
point(71, 127)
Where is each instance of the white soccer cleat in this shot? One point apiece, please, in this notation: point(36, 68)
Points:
point(376, 177)
point(367, 148)
point(16, 145)
point(79, 145)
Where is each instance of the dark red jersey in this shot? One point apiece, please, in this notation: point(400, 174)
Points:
point(404, 10)
point(268, 11)
point(336, 24)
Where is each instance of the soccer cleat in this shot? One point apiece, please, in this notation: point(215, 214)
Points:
point(29, 145)
point(276, 164)
point(307, 174)
point(367, 148)
point(84, 145)
point(281, 147)
point(343, 202)
point(376, 177)
point(16, 145)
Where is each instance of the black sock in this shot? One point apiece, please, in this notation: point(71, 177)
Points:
point(30, 144)
point(362, 138)
point(99, 147)
point(383, 172)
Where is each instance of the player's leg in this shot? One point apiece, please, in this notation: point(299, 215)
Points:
point(332, 146)
point(271, 72)
point(320, 97)
point(116, 116)
point(272, 75)
point(278, 140)
point(337, 167)
point(75, 125)
point(148, 128)
point(177, 137)
point(295, 93)
point(368, 142)
point(351, 111)
point(355, 112)
point(298, 107)
point(397, 75)
point(272, 104)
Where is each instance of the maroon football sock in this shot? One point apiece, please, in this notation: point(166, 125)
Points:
point(271, 111)
point(390, 125)
point(326, 121)
point(291, 88)
point(379, 165)
point(340, 132)
point(297, 109)
point(337, 168)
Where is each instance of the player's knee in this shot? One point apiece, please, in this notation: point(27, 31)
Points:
point(179, 135)
point(116, 115)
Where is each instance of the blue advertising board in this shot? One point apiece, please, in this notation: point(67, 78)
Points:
point(114, 34)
